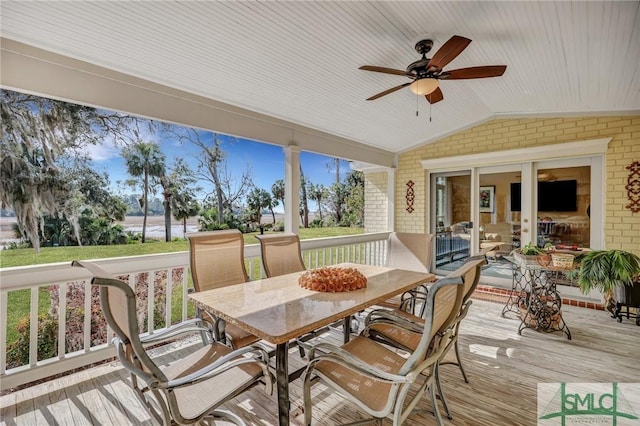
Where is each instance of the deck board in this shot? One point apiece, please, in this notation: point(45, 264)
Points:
point(503, 368)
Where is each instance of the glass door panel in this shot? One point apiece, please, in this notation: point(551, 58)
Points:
point(452, 213)
point(499, 222)
point(563, 207)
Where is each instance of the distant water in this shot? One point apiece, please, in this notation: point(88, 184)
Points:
point(156, 232)
point(155, 227)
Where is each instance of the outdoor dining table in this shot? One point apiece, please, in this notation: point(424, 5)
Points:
point(277, 310)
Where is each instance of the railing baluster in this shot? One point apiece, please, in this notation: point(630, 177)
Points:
point(33, 327)
point(151, 278)
point(167, 299)
point(62, 319)
point(3, 330)
point(185, 292)
point(87, 315)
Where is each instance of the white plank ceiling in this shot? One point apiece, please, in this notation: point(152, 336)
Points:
point(299, 61)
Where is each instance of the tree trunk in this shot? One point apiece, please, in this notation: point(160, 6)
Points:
point(219, 196)
point(184, 226)
point(146, 206)
point(305, 201)
point(167, 218)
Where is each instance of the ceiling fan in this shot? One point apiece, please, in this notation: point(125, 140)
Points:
point(426, 72)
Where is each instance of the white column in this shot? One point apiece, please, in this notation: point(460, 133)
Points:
point(391, 198)
point(291, 189)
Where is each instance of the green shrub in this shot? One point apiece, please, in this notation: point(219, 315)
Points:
point(18, 351)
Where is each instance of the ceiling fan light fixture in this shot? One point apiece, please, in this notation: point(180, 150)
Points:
point(424, 86)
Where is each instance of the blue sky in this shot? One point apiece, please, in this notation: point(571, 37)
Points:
point(265, 161)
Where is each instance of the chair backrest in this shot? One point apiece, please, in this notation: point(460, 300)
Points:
point(470, 272)
point(118, 304)
point(442, 305)
point(281, 254)
point(217, 259)
point(409, 251)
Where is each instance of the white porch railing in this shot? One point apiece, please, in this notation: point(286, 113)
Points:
point(165, 297)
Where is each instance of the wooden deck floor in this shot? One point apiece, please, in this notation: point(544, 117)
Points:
point(504, 370)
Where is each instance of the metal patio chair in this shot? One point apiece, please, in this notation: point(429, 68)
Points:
point(217, 260)
point(191, 388)
point(281, 254)
point(378, 379)
point(403, 330)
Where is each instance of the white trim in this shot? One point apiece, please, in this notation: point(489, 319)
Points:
point(520, 155)
point(368, 168)
point(391, 197)
point(291, 188)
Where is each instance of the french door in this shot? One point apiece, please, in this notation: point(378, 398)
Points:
point(547, 202)
point(453, 226)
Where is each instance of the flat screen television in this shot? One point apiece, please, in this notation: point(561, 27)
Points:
point(558, 196)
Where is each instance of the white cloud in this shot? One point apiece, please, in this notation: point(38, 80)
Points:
point(103, 152)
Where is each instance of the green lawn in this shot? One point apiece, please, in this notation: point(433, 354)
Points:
point(23, 257)
point(19, 301)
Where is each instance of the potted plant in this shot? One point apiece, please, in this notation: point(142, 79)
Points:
point(607, 271)
point(528, 254)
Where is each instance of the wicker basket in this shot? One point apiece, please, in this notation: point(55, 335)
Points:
point(562, 260)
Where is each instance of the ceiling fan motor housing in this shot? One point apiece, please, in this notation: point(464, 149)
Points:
point(424, 46)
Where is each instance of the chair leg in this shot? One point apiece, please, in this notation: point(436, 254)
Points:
point(306, 393)
point(434, 402)
point(440, 393)
point(464, 375)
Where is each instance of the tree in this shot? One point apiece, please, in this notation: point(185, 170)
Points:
point(304, 201)
point(354, 201)
point(277, 190)
point(337, 193)
point(177, 185)
point(273, 203)
point(337, 198)
point(212, 167)
point(318, 193)
point(184, 206)
point(144, 160)
point(36, 132)
point(258, 199)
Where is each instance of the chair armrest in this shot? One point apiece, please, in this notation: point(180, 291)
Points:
point(222, 364)
point(346, 359)
point(188, 326)
point(409, 299)
point(150, 380)
point(434, 356)
point(389, 317)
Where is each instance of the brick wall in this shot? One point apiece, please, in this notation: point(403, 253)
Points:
point(622, 228)
point(375, 206)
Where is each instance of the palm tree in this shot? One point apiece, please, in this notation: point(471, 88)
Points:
point(144, 159)
point(318, 193)
point(277, 189)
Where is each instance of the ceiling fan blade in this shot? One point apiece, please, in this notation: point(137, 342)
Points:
point(385, 70)
point(435, 96)
point(448, 52)
point(474, 72)
point(386, 92)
